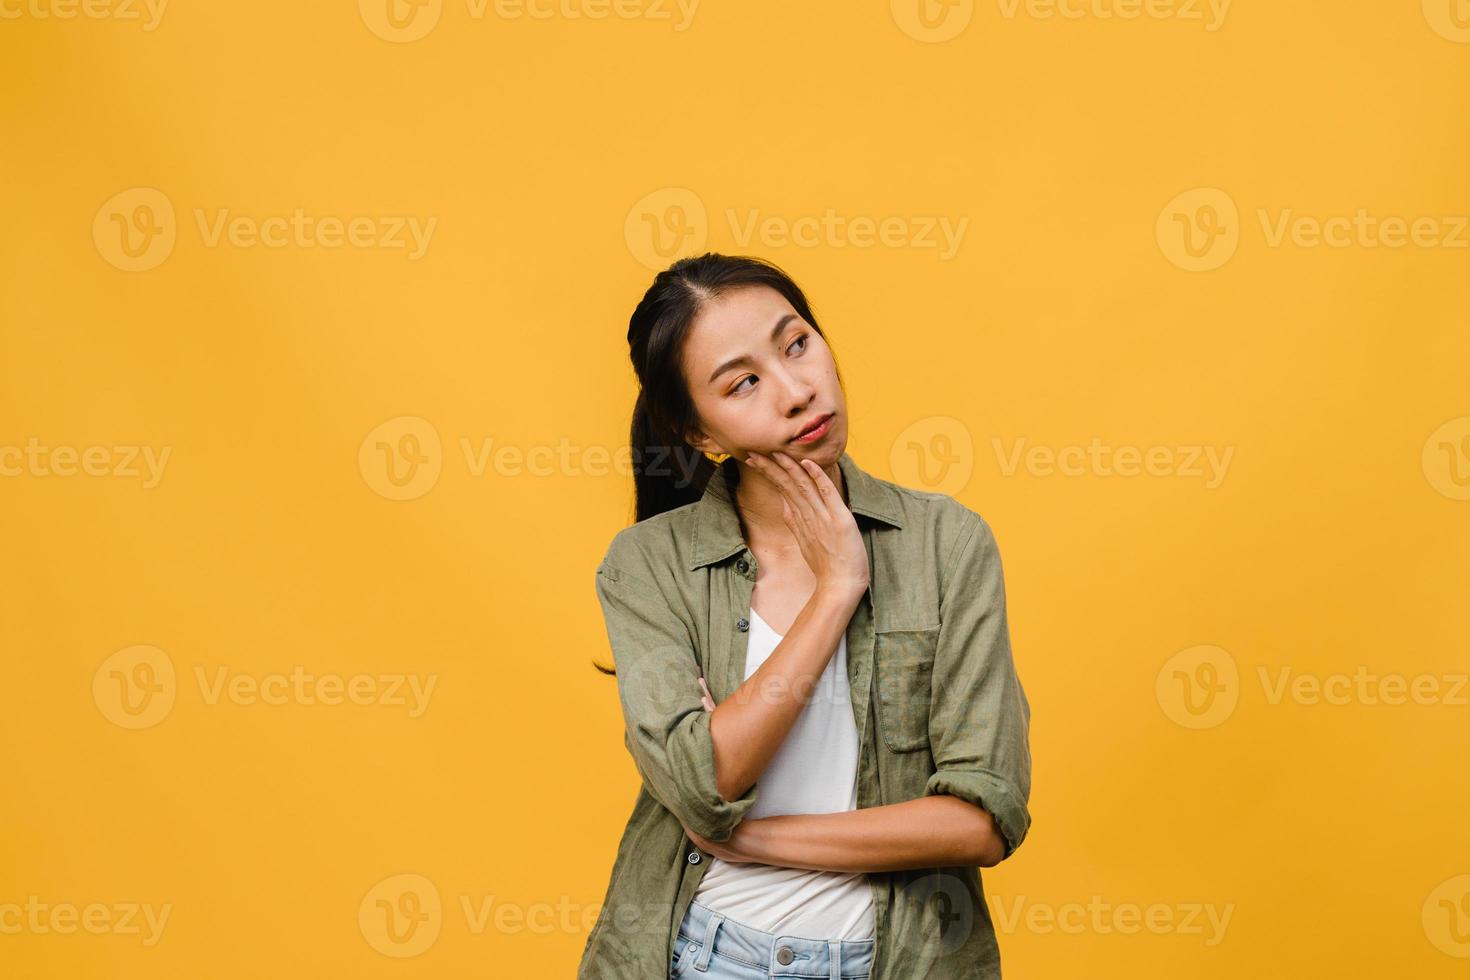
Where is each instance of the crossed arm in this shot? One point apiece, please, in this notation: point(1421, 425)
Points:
point(928, 832)
point(977, 731)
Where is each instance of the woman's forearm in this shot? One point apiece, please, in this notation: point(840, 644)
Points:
point(931, 831)
point(749, 726)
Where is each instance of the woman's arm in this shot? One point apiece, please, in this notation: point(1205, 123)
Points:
point(929, 832)
point(749, 726)
point(979, 735)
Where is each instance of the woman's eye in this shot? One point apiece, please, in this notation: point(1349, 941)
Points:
point(802, 340)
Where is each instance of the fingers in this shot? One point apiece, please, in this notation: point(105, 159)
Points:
point(827, 494)
point(795, 482)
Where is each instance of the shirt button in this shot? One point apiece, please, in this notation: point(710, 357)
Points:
point(693, 857)
point(742, 624)
point(743, 565)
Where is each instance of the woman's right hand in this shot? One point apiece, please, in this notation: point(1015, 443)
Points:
point(825, 529)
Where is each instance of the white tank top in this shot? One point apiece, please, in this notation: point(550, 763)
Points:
point(814, 771)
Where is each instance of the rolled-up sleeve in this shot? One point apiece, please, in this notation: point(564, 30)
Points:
point(666, 726)
point(980, 718)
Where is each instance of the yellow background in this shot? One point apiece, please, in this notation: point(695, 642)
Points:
point(545, 150)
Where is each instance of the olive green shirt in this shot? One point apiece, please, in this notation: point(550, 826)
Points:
point(935, 697)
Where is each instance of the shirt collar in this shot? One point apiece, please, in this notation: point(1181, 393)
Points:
point(717, 525)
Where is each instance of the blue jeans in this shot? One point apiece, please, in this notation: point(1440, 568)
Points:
point(713, 947)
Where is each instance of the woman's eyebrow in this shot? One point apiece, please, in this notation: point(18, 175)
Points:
point(744, 359)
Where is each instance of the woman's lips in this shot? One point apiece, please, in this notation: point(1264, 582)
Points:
point(812, 435)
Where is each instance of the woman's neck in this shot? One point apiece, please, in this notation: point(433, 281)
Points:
point(758, 501)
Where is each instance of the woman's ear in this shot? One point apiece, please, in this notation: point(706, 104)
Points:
point(704, 443)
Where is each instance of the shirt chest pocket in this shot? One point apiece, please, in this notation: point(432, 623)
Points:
point(904, 671)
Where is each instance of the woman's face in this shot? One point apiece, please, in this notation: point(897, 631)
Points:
point(759, 374)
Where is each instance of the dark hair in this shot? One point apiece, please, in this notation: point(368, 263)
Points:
point(667, 471)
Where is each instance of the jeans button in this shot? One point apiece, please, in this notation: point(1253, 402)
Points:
point(784, 955)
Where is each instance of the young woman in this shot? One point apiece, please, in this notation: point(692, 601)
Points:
point(814, 668)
